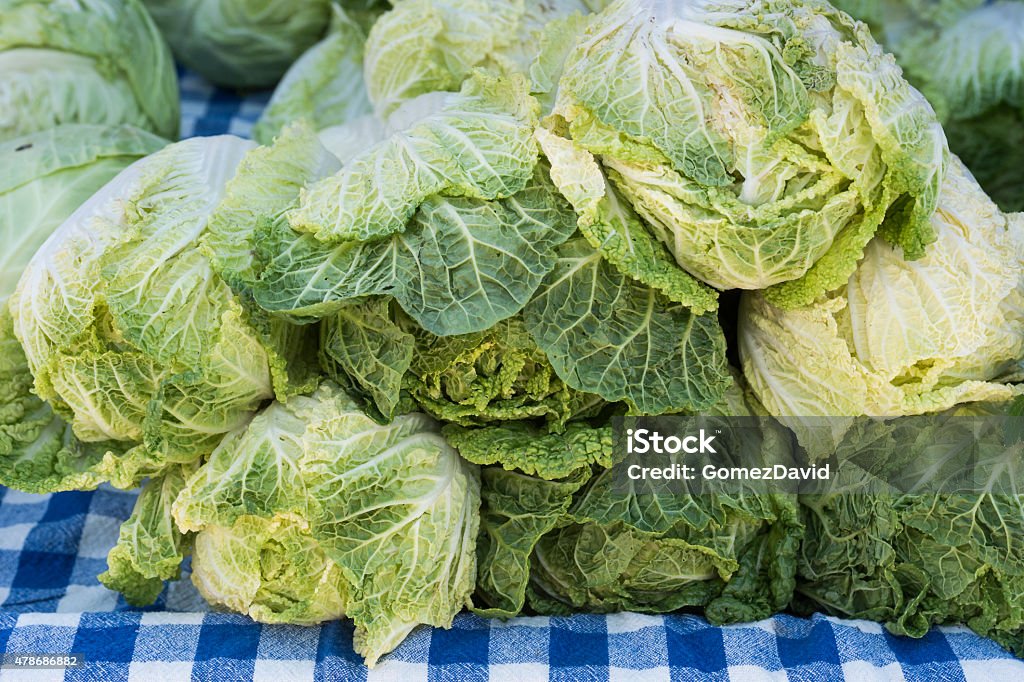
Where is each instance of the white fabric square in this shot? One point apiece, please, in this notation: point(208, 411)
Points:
point(521, 672)
point(99, 533)
point(397, 671)
point(660, 674)
point(159, 671)
point(268, 670)
point(13, 537)
point(82, 598)
point(863, 670)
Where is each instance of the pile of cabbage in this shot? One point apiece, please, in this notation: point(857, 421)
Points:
point(368, 366)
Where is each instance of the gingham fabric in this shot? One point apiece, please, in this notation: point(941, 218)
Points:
point(53, 546)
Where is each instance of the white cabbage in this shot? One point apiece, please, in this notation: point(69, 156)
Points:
point(901, 337)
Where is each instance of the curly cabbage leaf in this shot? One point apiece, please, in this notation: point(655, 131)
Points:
point(265, 187)
point(434, 45)
point(363, 349)
point(469, 379)
point(922, 525)
point(902, 337)
point(613, 228)
point(459, 264)
point(314, 510)
point(129, 333)
point(149, 547)
point(493, 376)
point(546, 453)
point(582, 543)
point(240, 43)
point(476, 144)
point(763, 144)
point(38, 451)
point(606, 334)
point(93, 61)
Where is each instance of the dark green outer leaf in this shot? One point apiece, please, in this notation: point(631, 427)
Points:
point(460, 266)
point(606, 334)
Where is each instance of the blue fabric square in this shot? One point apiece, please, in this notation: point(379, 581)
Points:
point(289, 643)
point(44, 571)
point(85, 570)
point(967, 646)
point(927, 658)
point(817, 645)
point(41, 638)
point(168, 642)
point(17, 514)
point(227, 648)
point(58, 537)
point(108, 638)
point(932, 648)
point(699, 649)
point(117, 504)
point(220, 109)
point(333, 669)
point(751, 646)
point(336, 642)
point(335, 657)
point(9, 560)
point(67, 506)
point(573, 649)
point(238, 641)
point(459, 645)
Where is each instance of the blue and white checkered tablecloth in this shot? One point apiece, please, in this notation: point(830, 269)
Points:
point(53, 546)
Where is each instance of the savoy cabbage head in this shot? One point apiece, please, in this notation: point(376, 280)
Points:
point(762, 143)
point(900, 337)
point(922, 524)
point(314, 511)
point(128, 332)
point(45, 177)
point(454, 217)
point(470, 379)
point(89, 61)
point(560, 535)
